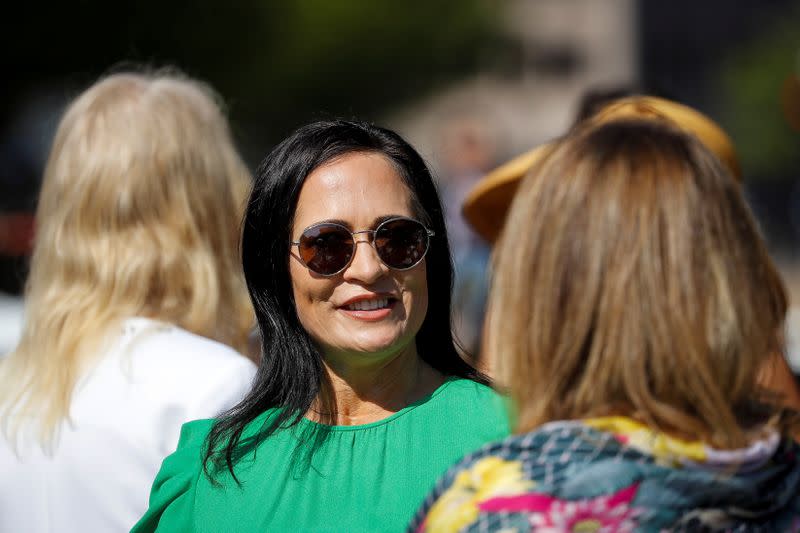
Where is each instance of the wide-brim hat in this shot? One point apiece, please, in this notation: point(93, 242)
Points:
point(487, 203)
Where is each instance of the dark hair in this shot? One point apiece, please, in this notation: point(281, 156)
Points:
point(596, 98)
point(291, 372)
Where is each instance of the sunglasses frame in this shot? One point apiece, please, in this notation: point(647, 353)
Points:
point(428, 234)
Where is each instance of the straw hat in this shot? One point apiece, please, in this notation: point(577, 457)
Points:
point(487, 203)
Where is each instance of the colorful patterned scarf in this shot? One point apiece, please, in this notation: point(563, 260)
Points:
point(614, 474)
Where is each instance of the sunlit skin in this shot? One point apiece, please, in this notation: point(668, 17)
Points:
point(776, 376)
point(370, 356)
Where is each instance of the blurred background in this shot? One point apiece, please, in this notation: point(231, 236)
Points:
point(469, 82)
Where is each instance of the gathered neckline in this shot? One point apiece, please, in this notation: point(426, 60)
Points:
point(394, 416)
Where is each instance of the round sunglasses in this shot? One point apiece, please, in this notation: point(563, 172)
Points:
point(328, 248)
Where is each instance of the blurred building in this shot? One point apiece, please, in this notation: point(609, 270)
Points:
point(528, 93)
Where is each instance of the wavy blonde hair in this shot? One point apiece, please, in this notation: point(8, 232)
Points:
point(631, 279)
point(139, 215)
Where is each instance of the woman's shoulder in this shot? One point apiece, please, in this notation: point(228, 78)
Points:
point(465, 397)
point(463, 389)
point(171, 506)
point(173, 493)
point(145, 335)
point(188, 456)
point(194, 433)
point(203, 375)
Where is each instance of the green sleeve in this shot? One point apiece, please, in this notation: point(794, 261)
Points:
point(171, 505)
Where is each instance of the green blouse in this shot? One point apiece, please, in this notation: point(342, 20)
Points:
point(371, 477)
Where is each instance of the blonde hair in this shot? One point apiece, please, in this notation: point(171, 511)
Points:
point(631, 279)
point(139, 215)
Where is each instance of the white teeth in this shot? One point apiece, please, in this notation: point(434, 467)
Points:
point(368, 305)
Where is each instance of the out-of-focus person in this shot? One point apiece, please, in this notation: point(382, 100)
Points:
point(487, 204)
point(361, 401)
point(632, 305)
point(466, 154)
point(135, 306)
point(790, 100)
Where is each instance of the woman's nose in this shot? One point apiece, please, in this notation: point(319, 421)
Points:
point(366, 266)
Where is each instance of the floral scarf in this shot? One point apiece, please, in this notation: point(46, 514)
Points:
point(614, 474)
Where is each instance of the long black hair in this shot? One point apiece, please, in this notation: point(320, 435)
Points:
point(291, 373)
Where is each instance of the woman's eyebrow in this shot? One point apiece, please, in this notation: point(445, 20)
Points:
point(337, 221)
point(375, 222)
point(384, 218)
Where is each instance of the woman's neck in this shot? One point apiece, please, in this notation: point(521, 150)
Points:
point(356, 394)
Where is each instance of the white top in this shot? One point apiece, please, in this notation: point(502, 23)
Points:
point(126, 417)
point(11, 309)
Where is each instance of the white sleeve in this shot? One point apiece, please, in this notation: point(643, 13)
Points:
point(231, 386)
point(225, 388)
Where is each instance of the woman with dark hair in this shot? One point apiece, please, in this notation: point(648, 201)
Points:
point(361, 399)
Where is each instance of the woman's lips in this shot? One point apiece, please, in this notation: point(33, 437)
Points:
point(369, 309)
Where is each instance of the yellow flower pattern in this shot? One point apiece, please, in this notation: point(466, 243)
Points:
point(489, 477)
point(667, 450)
point(547, 481)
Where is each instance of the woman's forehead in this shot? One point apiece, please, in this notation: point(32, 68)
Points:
point(356, 188)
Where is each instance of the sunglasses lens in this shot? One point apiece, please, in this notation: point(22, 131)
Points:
point(326, 248)
point(401, 243)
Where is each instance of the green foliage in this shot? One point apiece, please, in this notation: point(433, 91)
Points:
point(358, 57)
point(276, 63)
point(752, 77)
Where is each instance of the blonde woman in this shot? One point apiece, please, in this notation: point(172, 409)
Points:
point(633, 306)
point(136, 311)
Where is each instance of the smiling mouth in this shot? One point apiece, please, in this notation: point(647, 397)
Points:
point(369, 305)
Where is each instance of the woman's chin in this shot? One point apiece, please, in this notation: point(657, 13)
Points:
point(372, 347)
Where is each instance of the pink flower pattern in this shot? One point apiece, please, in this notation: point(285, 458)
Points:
point(604, 514)
point(623, 451)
